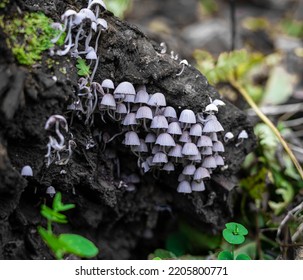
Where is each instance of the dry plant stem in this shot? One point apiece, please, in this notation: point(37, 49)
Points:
point(267, 121)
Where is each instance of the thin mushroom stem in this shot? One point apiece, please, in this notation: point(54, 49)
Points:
point(267, 121)
point(95, 69)
point(75, 48)
point(61, 137)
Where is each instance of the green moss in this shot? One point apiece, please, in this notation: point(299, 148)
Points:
point(3, 3)
point(29, 36)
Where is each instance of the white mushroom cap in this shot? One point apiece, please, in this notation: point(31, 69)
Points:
point(211, 108)
point(209, 162)
point(121, 108)
point(131, 139)
point(228, 136)
point(145, 166)
point(218, 147)
point(129, 98)
point(51, 191)
point(108, 101)
point(67, 14)
point(207, 151)
point(150, 138)
point(190, 149)
point(130, 119)
point(185, 137)
point(184, 187)
point(56, 118)
point(157, 100)
point(196, 158)
point(108, 83)
point(102, 23)
point(174, 128)
point(125, 88)
point(213, 136)
point(212, 125)
point(165, 140)
point(196, 130)
point(170, 112)
point(84, 14)
point(219, 160)
point(176, 151)
point(159, 122)
point(169, 166)
point(91, 54)
point(201, 173)
point(142, 97)
point(160, 158)
point(218, 102)
point(187, 116)
point(204, 141)
point(142, 148)
point(197, 186)
point(97, 2)
point(243, 135)
point(189, 169)
point(27, 171)
point(144, 112)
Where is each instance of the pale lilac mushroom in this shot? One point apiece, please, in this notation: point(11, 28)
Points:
point(174, 128)
point(187, 118)
point(218, 147)
point(242, 135)
point(51, 191)
point(197, 186)
point(131, 139)
point(160, 158)
point(108, 85)
point(168, 167)
point(142, 97)
point(27, 171)
point(190, 149)
point(189, 170)
point(184, 187)
point(124, 88)
point(204, 141)
point(212, 125)
point(159, 122)
point(200, 174)
point(165, 140)
point(209, 162)
point(228, 137)
point(144, 113)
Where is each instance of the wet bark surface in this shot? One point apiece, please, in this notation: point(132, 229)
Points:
point(122, 224)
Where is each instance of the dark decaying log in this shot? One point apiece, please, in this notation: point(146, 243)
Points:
point(119, 222)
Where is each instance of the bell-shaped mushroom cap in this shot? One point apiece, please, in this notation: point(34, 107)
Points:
point(169, 166)
point(190, 149)
point(102, 23)
point(142, 97)
point(129, 98)
point(130, 119)
point(144, 112)
point(187, 116)
point(108, 101)
point(196, 158)
point(150, 138)
point(176, 151)
point(108, 83)
point(181, 177)
point(243, 135)
point(165, 140)
point(131, 139)
point(68, 13)
point(97, 2)
point(159, 122)
point(218, 147)
point(51, 191)
point(189, 170)
point(228, 136)
point(201, 173)
point(212, 125)
point(27, 171)
point(197, 186)
point(160, 158)
point(142, 148)
point(196, 130)
point(145, 166)
point(209, 162)
point(211, 108)
point(174, 128)
point(218, 102)
point(91, 54)
point(207, 151)
point(121, 108)
point(185, 137)
point(125, 88)
point(219, 160)
point(84, 14)
point(184, 187)
point(204, 141)
point(56, 118)
point(170, 112)
point(155, 149)
point(157, 100)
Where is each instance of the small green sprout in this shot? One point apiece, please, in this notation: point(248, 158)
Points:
point(234, 234)
point(64, 243)
point(83, 69)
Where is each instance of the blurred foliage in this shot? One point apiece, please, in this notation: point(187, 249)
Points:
point(208, 7)
point(29, 36)
point(118, 7)
point(292, 27)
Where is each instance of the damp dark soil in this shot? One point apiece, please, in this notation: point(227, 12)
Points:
point(122, 224)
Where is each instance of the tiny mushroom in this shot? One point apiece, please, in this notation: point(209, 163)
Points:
point(184, 187)
point(169, 166)
point(242, 135)
point(189, 170)
point(131, 139)
point(187, 117)
point(197, 186)
point(51, 191)
point(27, 171)
point(201, 173)
point(228, 136)
point(190, 149)
point(108, 85)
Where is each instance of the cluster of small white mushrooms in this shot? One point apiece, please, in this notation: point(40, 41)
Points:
point(152, 130)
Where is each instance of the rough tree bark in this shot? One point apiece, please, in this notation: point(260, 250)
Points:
point(120, 223)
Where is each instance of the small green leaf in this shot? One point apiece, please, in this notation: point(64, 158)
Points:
point(157, 259)
point(52, 215)
point(225, 255)
point(164, 254)
point(83, 69)
point(52, 242)
point(78, 245)
point(232, 238)
point(58, 206)
point(237, 228)
point(243, 257)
